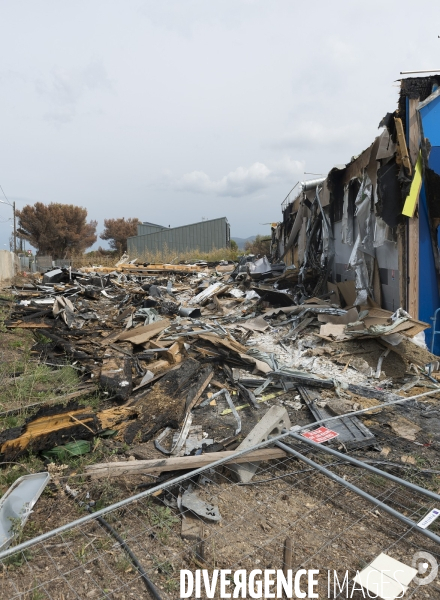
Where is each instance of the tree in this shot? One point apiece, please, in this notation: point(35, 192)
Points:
point(234, 246)
point(59, 230)
point(261, 245)
point(117, 231)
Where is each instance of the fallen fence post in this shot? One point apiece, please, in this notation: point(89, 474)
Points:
point(366, 466)
point(359, 492)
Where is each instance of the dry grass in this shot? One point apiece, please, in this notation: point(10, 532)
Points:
point(164, 256)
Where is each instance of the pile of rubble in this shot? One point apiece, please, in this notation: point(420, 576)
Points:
point(190, 356)
point(187, 367)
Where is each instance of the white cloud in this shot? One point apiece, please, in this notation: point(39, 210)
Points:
point(243, 180)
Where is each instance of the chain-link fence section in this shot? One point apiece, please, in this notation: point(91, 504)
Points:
point(331, 529)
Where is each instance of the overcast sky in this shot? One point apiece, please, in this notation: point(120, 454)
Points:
point(177, 110)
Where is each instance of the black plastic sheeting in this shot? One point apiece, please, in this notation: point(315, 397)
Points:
point(390, 203)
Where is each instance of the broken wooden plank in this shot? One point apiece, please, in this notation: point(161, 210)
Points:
point(287, 557)
point(111, 337)
point(143, 334)
point(27, 325)
point(402, 147)
point(227, 343)
point(119, 469)
point(56, 427)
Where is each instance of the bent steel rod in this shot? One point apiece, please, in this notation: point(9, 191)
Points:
point(359, 463)
point(359, 492)
point(99, 513)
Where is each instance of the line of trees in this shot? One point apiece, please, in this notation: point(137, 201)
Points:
point(62, 230)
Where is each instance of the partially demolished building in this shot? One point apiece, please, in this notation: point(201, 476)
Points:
point(368, 230)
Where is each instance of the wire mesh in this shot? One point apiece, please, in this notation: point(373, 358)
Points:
point(332, 529)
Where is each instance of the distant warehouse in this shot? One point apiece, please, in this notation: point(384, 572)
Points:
point(203, 236)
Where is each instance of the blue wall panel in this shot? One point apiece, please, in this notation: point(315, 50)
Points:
point(431, 119)
point(429, 299)
point(434, 159)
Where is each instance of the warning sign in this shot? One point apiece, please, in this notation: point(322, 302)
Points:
point(320, 435)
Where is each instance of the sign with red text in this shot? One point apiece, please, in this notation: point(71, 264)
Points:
point(320, 435)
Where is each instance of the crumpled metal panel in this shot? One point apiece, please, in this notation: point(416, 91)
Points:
point(364, 215)
point(347, 221)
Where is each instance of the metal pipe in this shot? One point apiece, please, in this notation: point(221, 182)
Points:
point(359, 492)
point(425, 71)
point(134, 559)
point(366, 466)
point(311, 184)
point(99, 513)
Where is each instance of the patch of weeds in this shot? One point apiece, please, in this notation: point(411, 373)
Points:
point(138, 437)
point(171, 585)
point(105, 492)
point(82, 553)
point(92, 401)
point(162, 516)
point(377, 480)
point(421, 461)
point(163, 567)
point(41, 339)
point(143, 506)
point(163, 519)
point(11, 474)
point(15, 561)
point(30, 530)
point(32, 462)
point(16, 529)
point(16, 344)
point(13, 421)
point(19, 558)
point(104, 543)
point(123, 563)
point(36, 382)
point(37, 594)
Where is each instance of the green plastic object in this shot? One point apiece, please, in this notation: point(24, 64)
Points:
point(76, 448)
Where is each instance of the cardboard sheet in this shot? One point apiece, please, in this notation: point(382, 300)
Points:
point(335, 297)
point(348, 291)
point(336, 332)
point(257, 324)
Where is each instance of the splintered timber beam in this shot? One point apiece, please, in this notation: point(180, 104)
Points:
point(401, 141)
point(49, 430)
point(140, 268)
point(119, 469)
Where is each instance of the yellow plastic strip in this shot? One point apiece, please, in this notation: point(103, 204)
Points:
point(413, 196)
point(227, 411)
